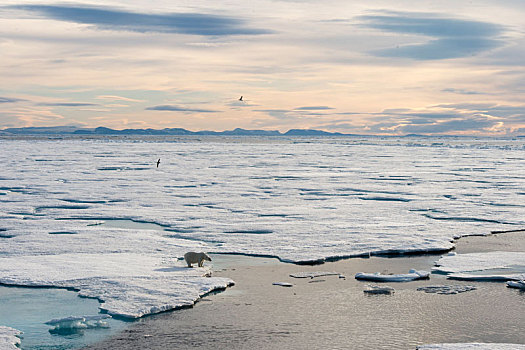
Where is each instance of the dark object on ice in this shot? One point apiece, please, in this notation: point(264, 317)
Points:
point(158, 162)
point(240, 99)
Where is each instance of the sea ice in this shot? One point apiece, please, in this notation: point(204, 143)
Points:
point(313, 274)
point(489, 266)
point(79, 322)
point(251, 197)
point(282, 284)
point(9, 338)
point(472, 346)
point(402, 277)
point(129, 285)
point(516, 284)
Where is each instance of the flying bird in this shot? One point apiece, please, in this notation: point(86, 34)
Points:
point(240, 99)
point(158, 162)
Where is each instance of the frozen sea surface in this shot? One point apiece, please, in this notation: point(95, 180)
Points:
point(99, 217)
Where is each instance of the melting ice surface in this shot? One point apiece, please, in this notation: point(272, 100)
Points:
point(489, 266)
point(298, 199)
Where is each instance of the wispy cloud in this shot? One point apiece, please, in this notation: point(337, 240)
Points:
point(10, 99)
point(117, 19)
point(462, 91)
point(313, 108)
point(118, 98)
point(447, 37)
point(67, 104)
point(175, 108)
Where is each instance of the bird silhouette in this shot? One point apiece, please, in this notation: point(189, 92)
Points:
point(240, 99)
point(158, 162)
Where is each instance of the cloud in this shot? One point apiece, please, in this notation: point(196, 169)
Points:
point(117, 98)
point(10, 99)
point(462, 91)
point(116, 19)
point(448, 37)
point(68, 104)
point(313, 108)
point(475, 123)
point(174, 108)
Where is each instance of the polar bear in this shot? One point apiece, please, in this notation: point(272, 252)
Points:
point(194, 258)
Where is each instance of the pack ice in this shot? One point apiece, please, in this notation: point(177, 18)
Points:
point(298, 200)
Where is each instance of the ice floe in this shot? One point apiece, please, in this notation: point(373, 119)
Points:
point(489, 266)
point(412, 275)
point(516, 284)
point(314, 274)
point(9, 338)
point(129, 285)
point(472, 346)
point(282, 284)
point(79, 322)
point(447, 289)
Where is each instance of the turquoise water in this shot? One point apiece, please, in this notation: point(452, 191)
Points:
point(27, 309)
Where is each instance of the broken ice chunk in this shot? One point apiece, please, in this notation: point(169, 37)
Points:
point(79, 322)
point(402, 277)
point(282, 284)
point(313, 274)
point(516, 284)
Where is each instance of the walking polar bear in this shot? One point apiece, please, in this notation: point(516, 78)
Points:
point(194, 258)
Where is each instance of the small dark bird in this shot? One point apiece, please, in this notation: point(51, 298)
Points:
point(240, 99)
point(158, 162)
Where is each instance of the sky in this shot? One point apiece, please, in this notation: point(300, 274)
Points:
point(363, 67)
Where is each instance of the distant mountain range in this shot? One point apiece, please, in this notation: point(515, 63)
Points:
point(73, 130)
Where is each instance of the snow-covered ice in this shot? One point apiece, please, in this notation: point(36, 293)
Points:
point(489, 266)
point(129, 284)
point(80, 322)
point(412, 275)
point(472, 346)
point(9, 338)
point(97, 216)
